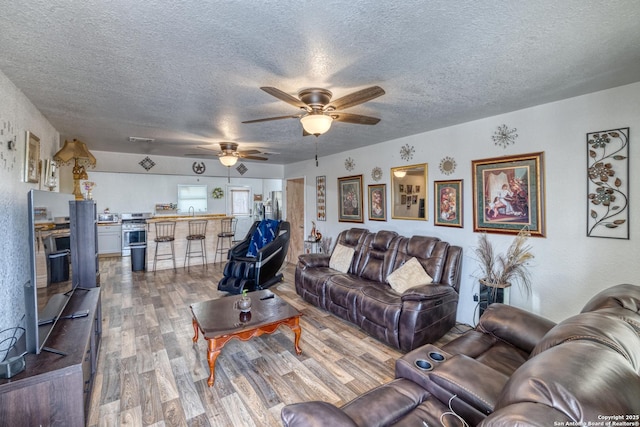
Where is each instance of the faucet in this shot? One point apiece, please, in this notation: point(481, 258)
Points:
point(192, 211)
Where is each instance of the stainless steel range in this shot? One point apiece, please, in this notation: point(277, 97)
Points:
point(134, 230)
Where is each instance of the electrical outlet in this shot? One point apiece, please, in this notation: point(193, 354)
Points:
point(475, 297)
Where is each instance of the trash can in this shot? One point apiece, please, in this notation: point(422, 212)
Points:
point(138, 256)
point(59, 266)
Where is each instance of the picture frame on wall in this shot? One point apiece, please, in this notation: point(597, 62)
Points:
point(321, 203)
point(350, 204)
point(448, 203)
point(32, 158)
point(508, 194)
point(377, 196)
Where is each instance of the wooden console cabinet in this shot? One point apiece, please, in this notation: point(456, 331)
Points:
point(55, 390)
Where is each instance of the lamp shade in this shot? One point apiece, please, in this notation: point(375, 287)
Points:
point(228, 160)
point(316, 124)
point(75, 151)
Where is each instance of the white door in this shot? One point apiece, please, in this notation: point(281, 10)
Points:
point(239, 205)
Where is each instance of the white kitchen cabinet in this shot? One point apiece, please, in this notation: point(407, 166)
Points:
point(109, 239)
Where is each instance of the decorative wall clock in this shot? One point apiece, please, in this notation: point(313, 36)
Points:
point(198, 168)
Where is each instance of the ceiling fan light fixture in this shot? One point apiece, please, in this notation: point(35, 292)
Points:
point(316, 124)
point(228, 160)
point(399, 174)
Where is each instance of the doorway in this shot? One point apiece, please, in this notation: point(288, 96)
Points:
point(295, 216)
point(239, 205)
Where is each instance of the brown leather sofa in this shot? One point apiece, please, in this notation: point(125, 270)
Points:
point(363, 296)
point(514, 368)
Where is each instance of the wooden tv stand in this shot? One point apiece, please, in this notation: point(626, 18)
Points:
point(55, 390)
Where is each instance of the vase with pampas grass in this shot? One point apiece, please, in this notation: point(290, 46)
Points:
point(499, 271)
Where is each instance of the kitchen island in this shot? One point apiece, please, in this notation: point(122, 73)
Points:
point(180, 244)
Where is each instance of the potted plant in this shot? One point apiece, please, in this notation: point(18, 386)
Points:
point(499, 271)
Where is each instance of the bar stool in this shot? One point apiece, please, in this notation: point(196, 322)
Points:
point(225, 237)
point(197, 231)
point(165, 233)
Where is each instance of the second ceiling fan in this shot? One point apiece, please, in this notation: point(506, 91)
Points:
point(319, 111)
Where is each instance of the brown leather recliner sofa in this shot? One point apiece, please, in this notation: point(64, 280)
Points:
point(420, 315)
point(514, 368)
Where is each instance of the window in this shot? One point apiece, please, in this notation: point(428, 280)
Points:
point(192, 196)
point(239, 201)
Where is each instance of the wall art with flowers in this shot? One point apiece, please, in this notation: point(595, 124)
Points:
point(350, 199)
point(608, 184)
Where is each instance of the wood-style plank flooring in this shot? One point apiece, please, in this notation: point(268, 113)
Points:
point(150, 373)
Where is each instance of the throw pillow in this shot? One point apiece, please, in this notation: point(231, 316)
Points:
point(341, 258)
point(410, 274)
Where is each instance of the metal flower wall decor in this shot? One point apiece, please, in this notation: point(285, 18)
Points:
point(504, 136)
point(406, 152)
point(376, 174)
point(608, 184)
point(349, 164)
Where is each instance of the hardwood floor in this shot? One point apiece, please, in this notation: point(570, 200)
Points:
point(150, 373)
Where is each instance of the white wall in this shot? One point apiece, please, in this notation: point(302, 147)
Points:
point(17, 115)
point(569, 267)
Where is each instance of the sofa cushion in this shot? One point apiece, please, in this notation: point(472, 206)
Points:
point(341, 258)
point(410, 274)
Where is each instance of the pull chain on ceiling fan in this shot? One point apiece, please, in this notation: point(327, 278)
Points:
point(319, 111)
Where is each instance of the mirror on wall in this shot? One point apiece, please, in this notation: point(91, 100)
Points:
point(409, 192)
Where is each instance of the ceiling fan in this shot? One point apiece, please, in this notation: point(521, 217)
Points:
point(318, 111)
point(229, 154)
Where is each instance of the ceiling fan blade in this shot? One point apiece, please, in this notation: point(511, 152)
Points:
point(356, 98)
point(252, 157)
point(283, 96)
point(295, 116)
point(355, 118)
point(249, 152)
point(201, 156)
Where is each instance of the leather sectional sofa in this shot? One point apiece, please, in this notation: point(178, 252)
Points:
point(514, 368)
point(362, 295)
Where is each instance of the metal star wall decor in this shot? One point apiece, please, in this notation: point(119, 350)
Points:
point(349, 164)
point(147, 163)
point(406, 152)
point(198, 168)
point(504, 136)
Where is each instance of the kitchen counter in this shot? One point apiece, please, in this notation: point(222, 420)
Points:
point(180, 243)
point(185, 217)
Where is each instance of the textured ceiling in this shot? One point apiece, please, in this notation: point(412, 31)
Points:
point(188, 72)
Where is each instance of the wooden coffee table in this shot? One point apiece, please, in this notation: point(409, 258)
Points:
point(220, 321)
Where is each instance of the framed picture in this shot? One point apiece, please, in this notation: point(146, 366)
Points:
point(401, 188)
point(448, 203)
point(377, 202)
point(409, 188)
point(508, 194)
point(32, 158)
point(350, 204)
point(321, 206)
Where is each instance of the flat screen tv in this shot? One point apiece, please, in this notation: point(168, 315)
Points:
point(50, 286)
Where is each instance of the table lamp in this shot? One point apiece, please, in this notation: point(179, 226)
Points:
point(77, 152)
